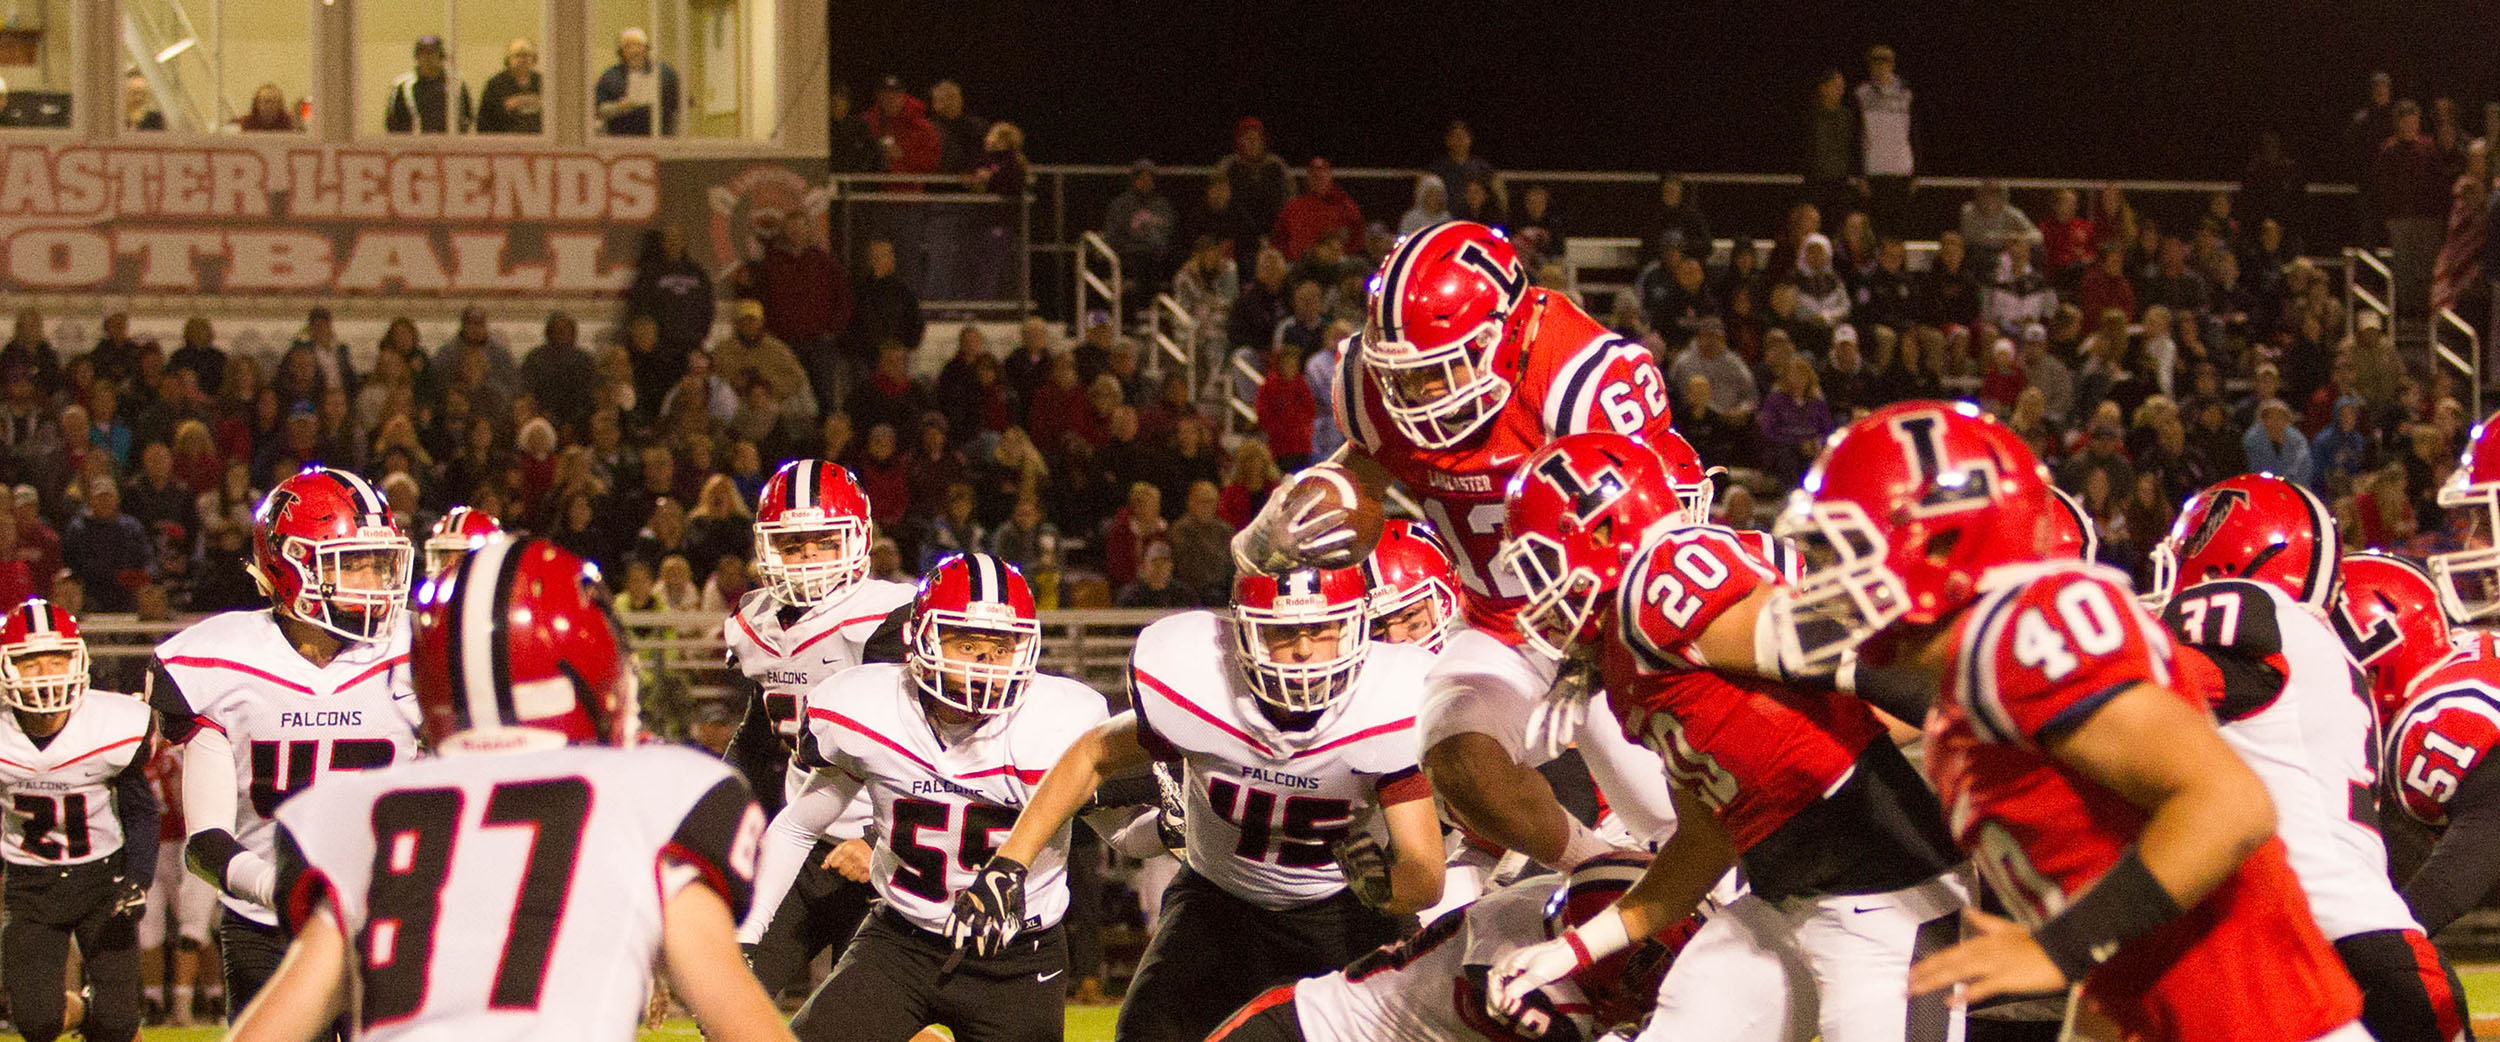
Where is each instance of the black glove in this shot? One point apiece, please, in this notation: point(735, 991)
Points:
point(130, 898)
point(1366, 867)
point(989, 912)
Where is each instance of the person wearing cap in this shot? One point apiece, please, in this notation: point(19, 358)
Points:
point(511, 102)
point(2044, 370)
point(1322, 206)
point(752, 349)
point(2276, 447)
point(1258, 178)
point(422, 98)
point(1140, 224)
point(908, 141)
point(631, 88)
point(1886, 137)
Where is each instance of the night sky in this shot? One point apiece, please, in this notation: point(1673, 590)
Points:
point(2134, 88)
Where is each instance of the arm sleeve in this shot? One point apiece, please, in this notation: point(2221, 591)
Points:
point(208, 807)
point(755, 752)
point(134, 803)
point(718, 839)
point(2466, 862)
point(789, 840)
point(886, 644)
point(174, 717)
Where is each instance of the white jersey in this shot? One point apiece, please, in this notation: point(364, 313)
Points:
point(291, 724)
point(784, 663)
point(1264, 805)
point(60, 794)
point(2312, 740)
point(942, 809)
point(1430, 987)
point(514, 896)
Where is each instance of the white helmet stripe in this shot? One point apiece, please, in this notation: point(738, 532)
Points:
point(987, 586)
point(803, 484)
point(479, 580)
point(38, 618)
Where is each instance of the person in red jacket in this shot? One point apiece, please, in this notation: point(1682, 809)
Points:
point(1321, 206)
point(1287, 409)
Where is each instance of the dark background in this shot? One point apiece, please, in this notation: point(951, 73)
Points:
point(2134, 88)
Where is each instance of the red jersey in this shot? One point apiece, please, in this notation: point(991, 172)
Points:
point(2033, 659)
point(1572, 375)
point(1781, 768)
point(2450, 723)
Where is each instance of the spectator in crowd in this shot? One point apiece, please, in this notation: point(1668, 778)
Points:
point(1206, 288)
point(1833, 157)
point(1822, 298)
point(2019, 297)
point(2106, 287)
point(1991, 225)
point(959, 134)
point(852, 147)
point(2173, 283)
point(336, 363)
point(2276, 447)
point(1027, 540)
point(115, 355)
point(701, 392)
point(1028, 366)
point(1221, 215)
point(1155, 586)
point(2342, 452)
point(2457, 280)
point(1848, 382)
point(154, 497)
point(955, 530)
point(1732, 387)
point(1256, 178)
point(139, 108)
point(1286, 409)
point(512, 102)
point(1306, 325)
point(751, 350)
point(559, 374)
point(1264, 303)
point(1001, 171)
point(1431, 206)
point(888, 396)
point(109, 551)
point(30, 350)
point(931, 468)
point(2068, 240)
point(1459, 166)
point(1948, 292)
point(199, 352)
point(1681, 222)
point(1727, 438)
point(672, 289)
point(1136, 526)
point(1674, 293)
point(1322, 206)
point(1886, 136)
point(268, 112)
point(2042, 369)
point(1057, 408)
point(2411, 183)
point(1248, 478)
point(804, 292)
point(426, 100)
point(1887, 295)
point(885, 310)
point(1140, 224)
point(1795, 420)
point(629, 90)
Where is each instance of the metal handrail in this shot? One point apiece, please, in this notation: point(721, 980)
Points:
point(2354, 294)
point(1241, 411)
point(2471, 364)
point(1093, 246)
point(1180, 343)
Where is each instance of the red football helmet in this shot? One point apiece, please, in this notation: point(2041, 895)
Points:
point(2392, 622)
point(1694, 482)
point(1901, 517)
point(40, 627)
point(1621, 987)
point(1283, 627)
point(811, 532)
point(2254, 526)
point(2071, 535)
point(1578, 508)
point(326, 550)
point(517, 647)
point(975, 637)
point(1411, 570)
point(2469, 579)
point(459, 531)
point(1440, 336)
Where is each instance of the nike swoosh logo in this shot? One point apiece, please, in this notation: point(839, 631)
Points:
point(1863, 911)
point(832, 660)
point(1045, 978)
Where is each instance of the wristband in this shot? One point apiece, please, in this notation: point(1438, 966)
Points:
point(1766, 643)
point(1583, 844)
point(1601, 936)
point(2126, 903)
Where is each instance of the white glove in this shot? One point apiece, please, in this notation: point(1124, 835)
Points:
point(1522, 972)
point(1289, 534)
point(1556, 721)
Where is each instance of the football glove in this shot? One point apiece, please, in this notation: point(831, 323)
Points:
point(989, 912)
point(1291, 531)
point(130, 899)
point(1366, 867)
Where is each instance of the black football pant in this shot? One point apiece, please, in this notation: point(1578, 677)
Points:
point(2408, 992)
point(821, 910)
point(49, 908)
point(1215, 951)
point(892, 982)
point(249, 954)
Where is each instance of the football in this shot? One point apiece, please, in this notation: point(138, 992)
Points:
point(1326, 487)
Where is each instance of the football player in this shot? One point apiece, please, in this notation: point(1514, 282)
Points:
point(1293, 736)
point(460, 530)
point(2133, 848)
point(817, 614)
point(1430, 987)
point(2392, 623)
point(274, 701)
point(81, 837)
point(1463, 369)
point(1410, 575)
point(2250, 572)
point(948, 746)
point(524, 883)
point(1842, 844)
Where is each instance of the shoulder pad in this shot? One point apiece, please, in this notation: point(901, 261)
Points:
point(2233, 615)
